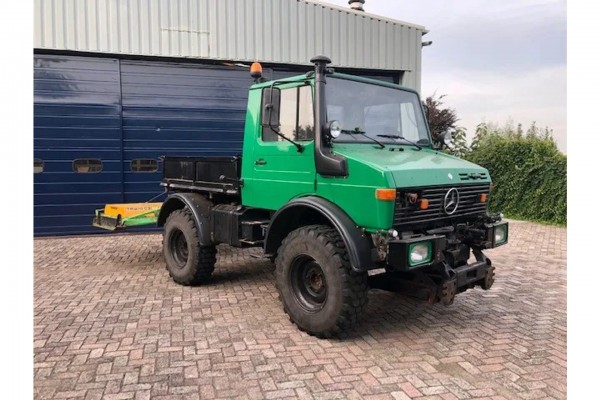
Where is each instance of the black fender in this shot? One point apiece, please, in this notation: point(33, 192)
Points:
point(311, 209)
point(200, 207)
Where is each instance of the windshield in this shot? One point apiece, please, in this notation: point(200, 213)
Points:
point(365, 109)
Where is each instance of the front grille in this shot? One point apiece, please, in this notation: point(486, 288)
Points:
point(465, 176)
point(407, 215)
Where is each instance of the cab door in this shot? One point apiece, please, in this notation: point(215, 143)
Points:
point(280, 171)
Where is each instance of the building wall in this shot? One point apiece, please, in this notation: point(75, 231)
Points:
point(277, 31)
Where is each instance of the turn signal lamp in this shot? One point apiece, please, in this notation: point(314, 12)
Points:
point(256, 70)
point(424, 204)
point(483, 197)
point(385, 194)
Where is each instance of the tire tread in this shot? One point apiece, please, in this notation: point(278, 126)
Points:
point(204, 266)
point(355, 287)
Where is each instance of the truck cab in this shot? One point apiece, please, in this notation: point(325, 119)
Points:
point(338, 176)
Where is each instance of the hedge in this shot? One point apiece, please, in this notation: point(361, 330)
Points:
point(529, 175)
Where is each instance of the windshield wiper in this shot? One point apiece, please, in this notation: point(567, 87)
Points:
point(403, 138)
point(359, 132)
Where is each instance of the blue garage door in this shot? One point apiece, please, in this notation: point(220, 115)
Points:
point(77, 141)
point(102, 124)
point(178, 109)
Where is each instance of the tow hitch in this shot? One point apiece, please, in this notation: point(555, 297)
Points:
point(439, 283)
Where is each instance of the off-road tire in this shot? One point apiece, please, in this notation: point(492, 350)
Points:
point(188, 262)
point(346, 290)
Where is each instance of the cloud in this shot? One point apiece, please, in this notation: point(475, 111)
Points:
point(498, 42)
point(495, 60)
point(538, 95)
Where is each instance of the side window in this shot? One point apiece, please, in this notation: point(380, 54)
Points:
point(288, 112)
point(83, 165)
point(38, 166)
point(306, 115)
point(296, 116)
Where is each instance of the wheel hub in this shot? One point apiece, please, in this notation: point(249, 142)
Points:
point(179, 247)
point(308, 283)
point(314, 280)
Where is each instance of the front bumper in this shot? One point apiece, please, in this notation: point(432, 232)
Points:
point(478, 238)
point(470, 274)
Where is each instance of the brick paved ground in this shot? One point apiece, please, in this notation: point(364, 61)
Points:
point(109, 323)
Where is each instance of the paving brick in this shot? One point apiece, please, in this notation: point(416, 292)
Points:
point(110, 323)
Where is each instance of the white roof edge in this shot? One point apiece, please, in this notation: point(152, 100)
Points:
point(366, 14)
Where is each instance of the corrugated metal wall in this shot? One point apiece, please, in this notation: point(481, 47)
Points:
point(277, 31)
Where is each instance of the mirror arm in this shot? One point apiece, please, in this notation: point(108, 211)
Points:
point(271, 105)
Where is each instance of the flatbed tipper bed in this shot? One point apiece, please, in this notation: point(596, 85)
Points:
point(206, 174)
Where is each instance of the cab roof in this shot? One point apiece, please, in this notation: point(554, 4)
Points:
point(309, 77)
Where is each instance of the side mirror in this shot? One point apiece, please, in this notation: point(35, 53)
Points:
point(271, 99)
point(448, 138)
point(445, 139)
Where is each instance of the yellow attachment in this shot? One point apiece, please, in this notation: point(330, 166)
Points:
point(131, 209)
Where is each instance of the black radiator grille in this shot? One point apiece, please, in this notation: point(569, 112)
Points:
point(410, 215)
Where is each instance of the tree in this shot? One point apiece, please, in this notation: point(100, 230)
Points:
point(528, 171)
point(440, 119)
point(533, 131)
point(458, 145)
point(481, 132)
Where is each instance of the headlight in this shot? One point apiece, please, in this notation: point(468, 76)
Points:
point(500, 234)
point(419, 253)
point(335, 129)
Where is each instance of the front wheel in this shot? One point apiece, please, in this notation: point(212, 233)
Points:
point(320, 292)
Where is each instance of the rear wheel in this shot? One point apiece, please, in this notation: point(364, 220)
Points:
point(320, 292)
point(188, 262)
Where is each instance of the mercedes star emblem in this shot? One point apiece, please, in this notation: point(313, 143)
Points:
point(451, 200)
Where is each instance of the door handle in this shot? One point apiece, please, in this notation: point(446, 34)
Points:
point(260, 161)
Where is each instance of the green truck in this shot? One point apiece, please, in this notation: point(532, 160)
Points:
point(338, 176)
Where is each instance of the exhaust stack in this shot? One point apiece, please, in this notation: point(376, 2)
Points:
point(327, 163)
point(357, 5)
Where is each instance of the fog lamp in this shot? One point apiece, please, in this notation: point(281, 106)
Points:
point(419, 253)
point(500, 234)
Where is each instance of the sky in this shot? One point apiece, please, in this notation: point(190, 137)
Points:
point(501, 62)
